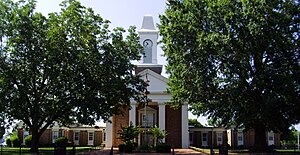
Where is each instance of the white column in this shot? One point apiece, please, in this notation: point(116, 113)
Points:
point(162, 117)
point(184, 126)
point(132, 114)
point(109, 135)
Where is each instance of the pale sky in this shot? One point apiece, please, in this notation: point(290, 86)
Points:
point(121, 13)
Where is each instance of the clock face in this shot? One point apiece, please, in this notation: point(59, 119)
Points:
point(147, 43)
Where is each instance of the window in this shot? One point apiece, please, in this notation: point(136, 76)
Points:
point(91, 136)
point(219, 138)
point(271, 138)
point(104, 136)
point(204, 137)
point(55, 134)
point(147, 120)
point(61, 133)
point(240, 138)
point(76, 136)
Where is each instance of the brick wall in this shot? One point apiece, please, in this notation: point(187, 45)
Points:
point(173, 126)
point(46, 137)
point(118, 122)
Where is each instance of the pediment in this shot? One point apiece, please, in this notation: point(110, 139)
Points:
point(157, 83)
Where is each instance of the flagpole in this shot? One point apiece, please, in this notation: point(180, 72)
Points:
point(145, 110)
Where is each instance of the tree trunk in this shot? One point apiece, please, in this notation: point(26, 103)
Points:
point(35, 140)
point(260, 143)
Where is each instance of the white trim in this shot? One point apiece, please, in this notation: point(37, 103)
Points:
point(158, 76)
point(91, 141)
point(204, 143)
point(132, 115)
point(162, 117)
point(150, 114)
point(240, 134)
point(108, 130)
point(271, 138)
point(76, 142)
point(55, 135)
point(219, 135)
point(184, 126)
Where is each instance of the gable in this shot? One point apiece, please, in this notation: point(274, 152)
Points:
point(157, 83)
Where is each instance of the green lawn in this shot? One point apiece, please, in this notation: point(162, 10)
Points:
point(42, 151)
point(246, 152)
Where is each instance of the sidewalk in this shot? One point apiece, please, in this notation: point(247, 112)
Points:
point(177, 151)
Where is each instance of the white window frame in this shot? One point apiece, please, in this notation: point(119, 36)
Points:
point(91, 137)
point(240, 138)
point(55, 135)
point(204, 142)
point(271, 138)
point(219, 138)
point(149, 112)
point(76, 141)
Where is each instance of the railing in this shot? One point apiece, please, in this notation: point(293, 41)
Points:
point(147, 124)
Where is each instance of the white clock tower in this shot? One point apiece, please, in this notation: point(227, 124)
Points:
point(148, 39)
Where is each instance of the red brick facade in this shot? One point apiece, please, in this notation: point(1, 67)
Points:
point(196, 137)
point(172, 124)
point(46, 137)
point(118, 122)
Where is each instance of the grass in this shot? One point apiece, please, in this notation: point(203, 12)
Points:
point(42, 151)
point(246, 152)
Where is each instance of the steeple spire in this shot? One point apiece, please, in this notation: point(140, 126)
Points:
point(148, 23)
point(148, 39)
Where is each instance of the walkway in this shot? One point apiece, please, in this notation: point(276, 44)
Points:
point(177, 152)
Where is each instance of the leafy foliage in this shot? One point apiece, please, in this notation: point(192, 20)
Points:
point(2, 132)
point(195, 123)
point(15, 141)
point(61, 140)
point(28, 140)
point(127, 134)
point(67, 67)
point(291, 138)
point(158, 134)
point(8, 142)
point(215, 122)
point(237, 61)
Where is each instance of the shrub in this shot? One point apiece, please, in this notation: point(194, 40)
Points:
point(144, 148)
point(127, 134)
point(61, 140)
point(163, 148)
point(8, 142)
point(128, 148)
point(158, 134)
point(15, 141)
point(28, 140)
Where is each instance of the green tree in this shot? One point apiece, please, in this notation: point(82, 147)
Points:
point(195, 123)
point(65, 67)
point(235, 60)
point(290, 138)
point(215, 123)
